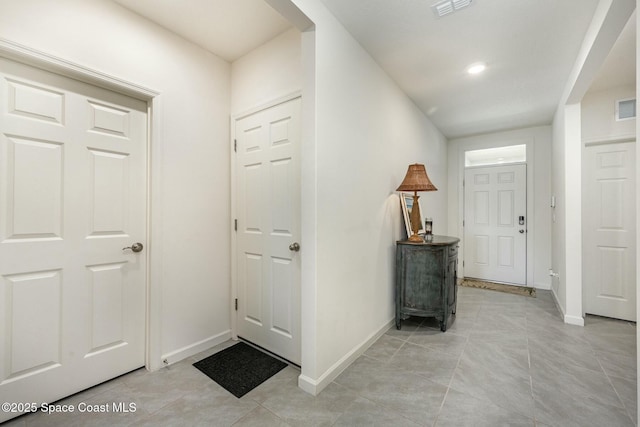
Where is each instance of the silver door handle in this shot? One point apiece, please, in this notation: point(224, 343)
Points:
point(294, 247)
point(136, 247)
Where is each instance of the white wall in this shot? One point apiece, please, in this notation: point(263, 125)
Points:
point(637, 131)
point(572, 197)
point(567, 216)
point(192, 255)
point(367, 132)
point(269, 72)
point(538, 142)
point(598, 115)
point(558, 216)
point(609, 19)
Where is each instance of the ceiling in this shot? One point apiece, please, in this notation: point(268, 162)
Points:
point(529, 46)
point(228, 28)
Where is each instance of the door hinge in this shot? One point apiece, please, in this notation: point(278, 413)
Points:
point(235, 225)
point(463, 222)
point(236, 304)
point(463, 263)
point(235, 145)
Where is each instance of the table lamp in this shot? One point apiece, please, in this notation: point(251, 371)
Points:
point(416, 180)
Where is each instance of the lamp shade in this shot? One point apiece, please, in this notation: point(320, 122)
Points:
point(417, 180)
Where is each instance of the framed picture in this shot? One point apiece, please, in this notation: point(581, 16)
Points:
point(406, 201)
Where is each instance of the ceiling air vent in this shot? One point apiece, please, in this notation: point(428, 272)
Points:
point(625, 109)
point(446, 7)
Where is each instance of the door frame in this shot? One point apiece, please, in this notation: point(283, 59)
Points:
point(234, 214)
point(464, 211)
point(531, 220)
point(153, 281)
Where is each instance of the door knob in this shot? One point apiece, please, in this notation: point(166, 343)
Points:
point(294, 247)
point(136, 247)
point(521, 231)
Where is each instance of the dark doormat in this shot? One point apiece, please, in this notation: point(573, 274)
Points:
point(240, 368)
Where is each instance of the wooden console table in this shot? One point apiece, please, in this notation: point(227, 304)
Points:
point(426, 279)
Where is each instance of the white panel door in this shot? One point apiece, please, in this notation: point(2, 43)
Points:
point(609, 230)
point(72, 196)
point(495, 230)
point(268, 207)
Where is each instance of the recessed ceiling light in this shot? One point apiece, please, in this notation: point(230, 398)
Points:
point(476, 68)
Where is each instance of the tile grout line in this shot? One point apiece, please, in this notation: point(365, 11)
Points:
point(624, 406)
point(533, 397)
point(446, 394)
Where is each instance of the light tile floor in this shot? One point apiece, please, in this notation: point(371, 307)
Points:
point(506, 361)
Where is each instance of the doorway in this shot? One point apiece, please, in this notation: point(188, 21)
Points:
point(609, 230)
point(267, 228)
point(73, 194)
point(495, 223)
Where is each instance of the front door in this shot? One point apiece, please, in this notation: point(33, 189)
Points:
point(495, 229)
point(268, 229)
point(609, 230)
point(72, 196)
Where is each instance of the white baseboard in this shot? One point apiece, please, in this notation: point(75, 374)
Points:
point(571, 320)
point(195, 348)
point(314, 387)
point(574, 320)
point(557, 301)
point(308, 385)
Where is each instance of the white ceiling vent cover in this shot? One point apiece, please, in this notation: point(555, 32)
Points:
point(625, 109)
point(446, 7)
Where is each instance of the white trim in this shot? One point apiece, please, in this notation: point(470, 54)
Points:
point(45, 61)
point(309, 385)
point(195, 348)
point(154, 236)
point(42, 60)
point(494, 165)
point(557, 301)
point(234, 244)
point(314, 387)
point(234, 215)
point(277, 101)
point(568, 319)
point(574, 320)
point(588, 142)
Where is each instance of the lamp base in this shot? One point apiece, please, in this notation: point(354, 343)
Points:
point(415, 219)
point(416, 238)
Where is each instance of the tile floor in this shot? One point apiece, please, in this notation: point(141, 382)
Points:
point(506, 361)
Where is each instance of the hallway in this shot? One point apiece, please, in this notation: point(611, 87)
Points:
point(506, 361)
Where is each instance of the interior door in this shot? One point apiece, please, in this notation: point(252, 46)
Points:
point(495, 228)
point(268, 229)
point(72, 196)
point(609, 230)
